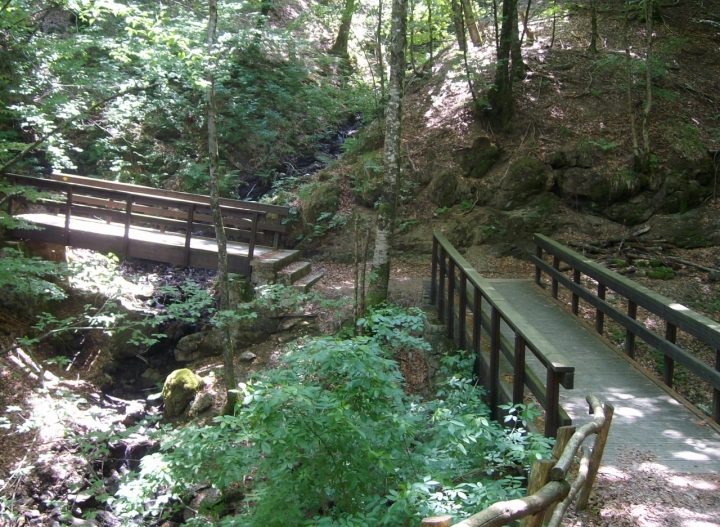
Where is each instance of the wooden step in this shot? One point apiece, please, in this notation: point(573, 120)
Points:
point(304, 284)
point(290, 274)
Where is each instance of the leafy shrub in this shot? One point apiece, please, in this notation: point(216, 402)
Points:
point(330, 438)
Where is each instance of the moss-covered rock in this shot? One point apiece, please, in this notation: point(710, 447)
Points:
point(179, 390)
point(367, 178)
point(661, 273)
point(526, 177)
point(477, 160)
point(317, 199)
point(441, 190)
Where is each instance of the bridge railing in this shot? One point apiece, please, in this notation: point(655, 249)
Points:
point(453, 278)
point(143, 206)
point(549, 493)
point(675, 316)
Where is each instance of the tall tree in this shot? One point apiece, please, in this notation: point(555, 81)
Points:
point(222, 279)
point(500, 94)
point(340, 46)
point(384, 233)
point(470, 23)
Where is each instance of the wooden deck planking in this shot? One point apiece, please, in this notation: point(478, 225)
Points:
point(143, 243)
point(647, 417)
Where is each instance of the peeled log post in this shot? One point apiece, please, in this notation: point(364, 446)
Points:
point(538, 477)
point(559, 471)
point(506, 511)
point(436, 521)
point(577, 485)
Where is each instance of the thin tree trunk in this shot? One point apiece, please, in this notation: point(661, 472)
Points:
point(497, 30)
point(458, 24)
point(340, 47)
point(430, 27)
point(593, 26)
point(380, 59)
point(222, 290)
point(519, 70)
point(470, 23)
point(380, 276)
point(646, 164)
point(411, 50)
point(629, 80)
point(526, 20)
point(467, 72)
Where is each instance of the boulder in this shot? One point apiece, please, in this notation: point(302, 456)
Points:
point(179, 389)
point(150, 378)
point(477, 160)
point(203, 401)
point(525, 178)
point(441, 190)
point(244, 332)
point(318, 199)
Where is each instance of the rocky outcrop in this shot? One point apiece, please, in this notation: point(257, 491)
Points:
point(179, 390)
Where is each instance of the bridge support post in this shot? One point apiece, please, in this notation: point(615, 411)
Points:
point(433, 273)
point(441, 291)
point(68, 213)
point(449, 322)
point(128, 214)
point(494, 374)
point(668, 363)
point(188, 233)
point(716, 392)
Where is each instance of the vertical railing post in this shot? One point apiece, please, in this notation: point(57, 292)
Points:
point(128, 216)
point(552, 414)
point(477, 326)
point(441, 289)
point(462, 338)
point(716, 392)
point(556, 266)
point(11, 201)
point(188, 233)
point(595, 458)
point(433, 272)
point(68, 213)
point(538, 272)
point(629, 335)
point(450, 322)
point(575, 297)
point(668, 363)
point(519, 370)
point(599, 315)
point(253, 234)
point(494, 374)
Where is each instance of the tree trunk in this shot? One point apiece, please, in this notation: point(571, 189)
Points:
point(340, 47)
point(593, 26)
point(500, 95)
point(458, 24)
point(380, 60)
point(430, 28)
point(470, 23)
point(647, 156)
point(380, 275)
point(519, 70)
point(222, 290)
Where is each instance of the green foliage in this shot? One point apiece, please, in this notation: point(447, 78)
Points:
point(31, 277)
point(331, 439)
point(603, 145)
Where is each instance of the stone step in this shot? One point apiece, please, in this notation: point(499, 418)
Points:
point(265, 267)
point(290, 274)
point(304, 284)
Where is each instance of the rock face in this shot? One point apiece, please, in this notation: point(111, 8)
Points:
point(321, 198)
point(477, 160)
point(525, 178)
point(179, 389)
point(244, 332)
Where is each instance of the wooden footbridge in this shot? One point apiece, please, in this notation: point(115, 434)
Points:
point(527, 341)
point(154, 224)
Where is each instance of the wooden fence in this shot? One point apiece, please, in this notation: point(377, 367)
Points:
point(453, 278)
point(549, 493)
point(135, 205)
point(675, 316)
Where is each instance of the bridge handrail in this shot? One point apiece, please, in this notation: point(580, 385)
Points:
point(558, 371)
point(175, 194)
point(139, 207)
point(675, 315)
point(546, 502)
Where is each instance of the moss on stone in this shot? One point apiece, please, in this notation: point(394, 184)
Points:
point(179, 390)
point(661, 273)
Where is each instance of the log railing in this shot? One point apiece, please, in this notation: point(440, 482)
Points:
point(549, 493)
point(675, 316)
point(457, 287)
point(143, 206)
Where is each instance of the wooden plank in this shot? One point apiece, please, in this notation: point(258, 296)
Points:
point(535, 341)
point(183, 196)
point(691, 363)
point(683, 317)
